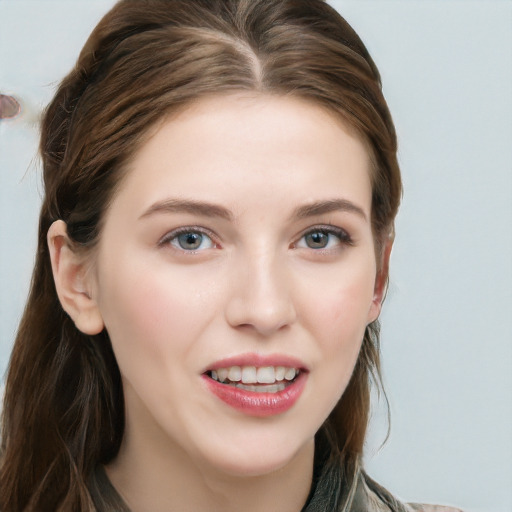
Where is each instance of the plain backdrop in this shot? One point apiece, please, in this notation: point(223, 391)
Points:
point(447, 323)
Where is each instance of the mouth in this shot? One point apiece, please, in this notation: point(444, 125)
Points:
point(263, 379)
point(257, 385)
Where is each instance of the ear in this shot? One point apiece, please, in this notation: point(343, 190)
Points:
point(381, 281)
point(72, 281)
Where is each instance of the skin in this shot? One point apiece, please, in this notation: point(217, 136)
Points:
point(255, 285)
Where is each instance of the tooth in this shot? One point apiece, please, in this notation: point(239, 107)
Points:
point(289, 374)
point(234, 373)
point(214, 375)
point(222, 374)
point(266, 375)
point(280, 371)
point(249, 375)
point(268, 388)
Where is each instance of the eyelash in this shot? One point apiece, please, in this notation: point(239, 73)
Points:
point(186, 230)
point(343, 237)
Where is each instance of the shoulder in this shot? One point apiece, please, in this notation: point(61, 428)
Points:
point(417, 507)
point(382, 500)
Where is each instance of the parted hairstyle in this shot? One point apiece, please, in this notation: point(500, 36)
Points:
point(63, 411)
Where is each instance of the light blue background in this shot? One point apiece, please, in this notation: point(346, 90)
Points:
point(447, 324)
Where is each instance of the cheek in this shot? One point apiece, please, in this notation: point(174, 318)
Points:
point(346, 319)
point(150, 311)
point(337, 322)
point(338, 319)
point(342, 309)
point(349, 307)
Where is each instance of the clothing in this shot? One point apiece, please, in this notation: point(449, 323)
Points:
point(334, 489)
point(357, 493)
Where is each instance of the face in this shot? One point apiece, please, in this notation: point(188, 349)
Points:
point(235, 275)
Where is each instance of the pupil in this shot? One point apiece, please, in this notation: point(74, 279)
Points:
point(317, 240)
point(190, 240)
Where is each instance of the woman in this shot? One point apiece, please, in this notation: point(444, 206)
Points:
point(220, 189)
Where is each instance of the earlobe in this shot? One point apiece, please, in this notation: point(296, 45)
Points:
point(71, 281)
point(381, 281)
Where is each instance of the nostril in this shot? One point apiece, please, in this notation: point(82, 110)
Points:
point(9, 107)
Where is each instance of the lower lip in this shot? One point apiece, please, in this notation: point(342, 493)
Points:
point(253, 403)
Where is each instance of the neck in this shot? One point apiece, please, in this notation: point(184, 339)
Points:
point(153, 473)
point(161, 485)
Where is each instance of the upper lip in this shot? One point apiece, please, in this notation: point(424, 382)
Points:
point(259, 361)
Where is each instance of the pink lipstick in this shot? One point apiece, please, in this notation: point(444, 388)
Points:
point(257, 385)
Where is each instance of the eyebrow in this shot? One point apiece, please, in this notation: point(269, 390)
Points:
point(205, 209)
point(332, 205)
point(188, 206)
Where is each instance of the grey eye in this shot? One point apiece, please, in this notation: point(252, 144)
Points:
point(317, 240)
point(324, 237)
point(192, 241)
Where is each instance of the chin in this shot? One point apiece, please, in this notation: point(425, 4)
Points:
point(258, 457)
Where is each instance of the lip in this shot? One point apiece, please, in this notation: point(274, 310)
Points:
point(258, 360)
point(253, 403)
point(257, 404)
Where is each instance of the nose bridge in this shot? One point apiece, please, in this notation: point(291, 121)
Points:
point(261, 298)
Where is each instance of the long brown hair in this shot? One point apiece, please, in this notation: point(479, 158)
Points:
point(63, 413)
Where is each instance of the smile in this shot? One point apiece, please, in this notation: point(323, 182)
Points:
point(266, 379)
point(263, 388)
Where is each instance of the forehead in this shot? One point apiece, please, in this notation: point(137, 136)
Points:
point(243, 144)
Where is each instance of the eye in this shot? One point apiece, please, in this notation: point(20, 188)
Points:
point(188, 239)
point(324, 238)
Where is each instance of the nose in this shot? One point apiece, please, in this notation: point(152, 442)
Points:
point(261, 297)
